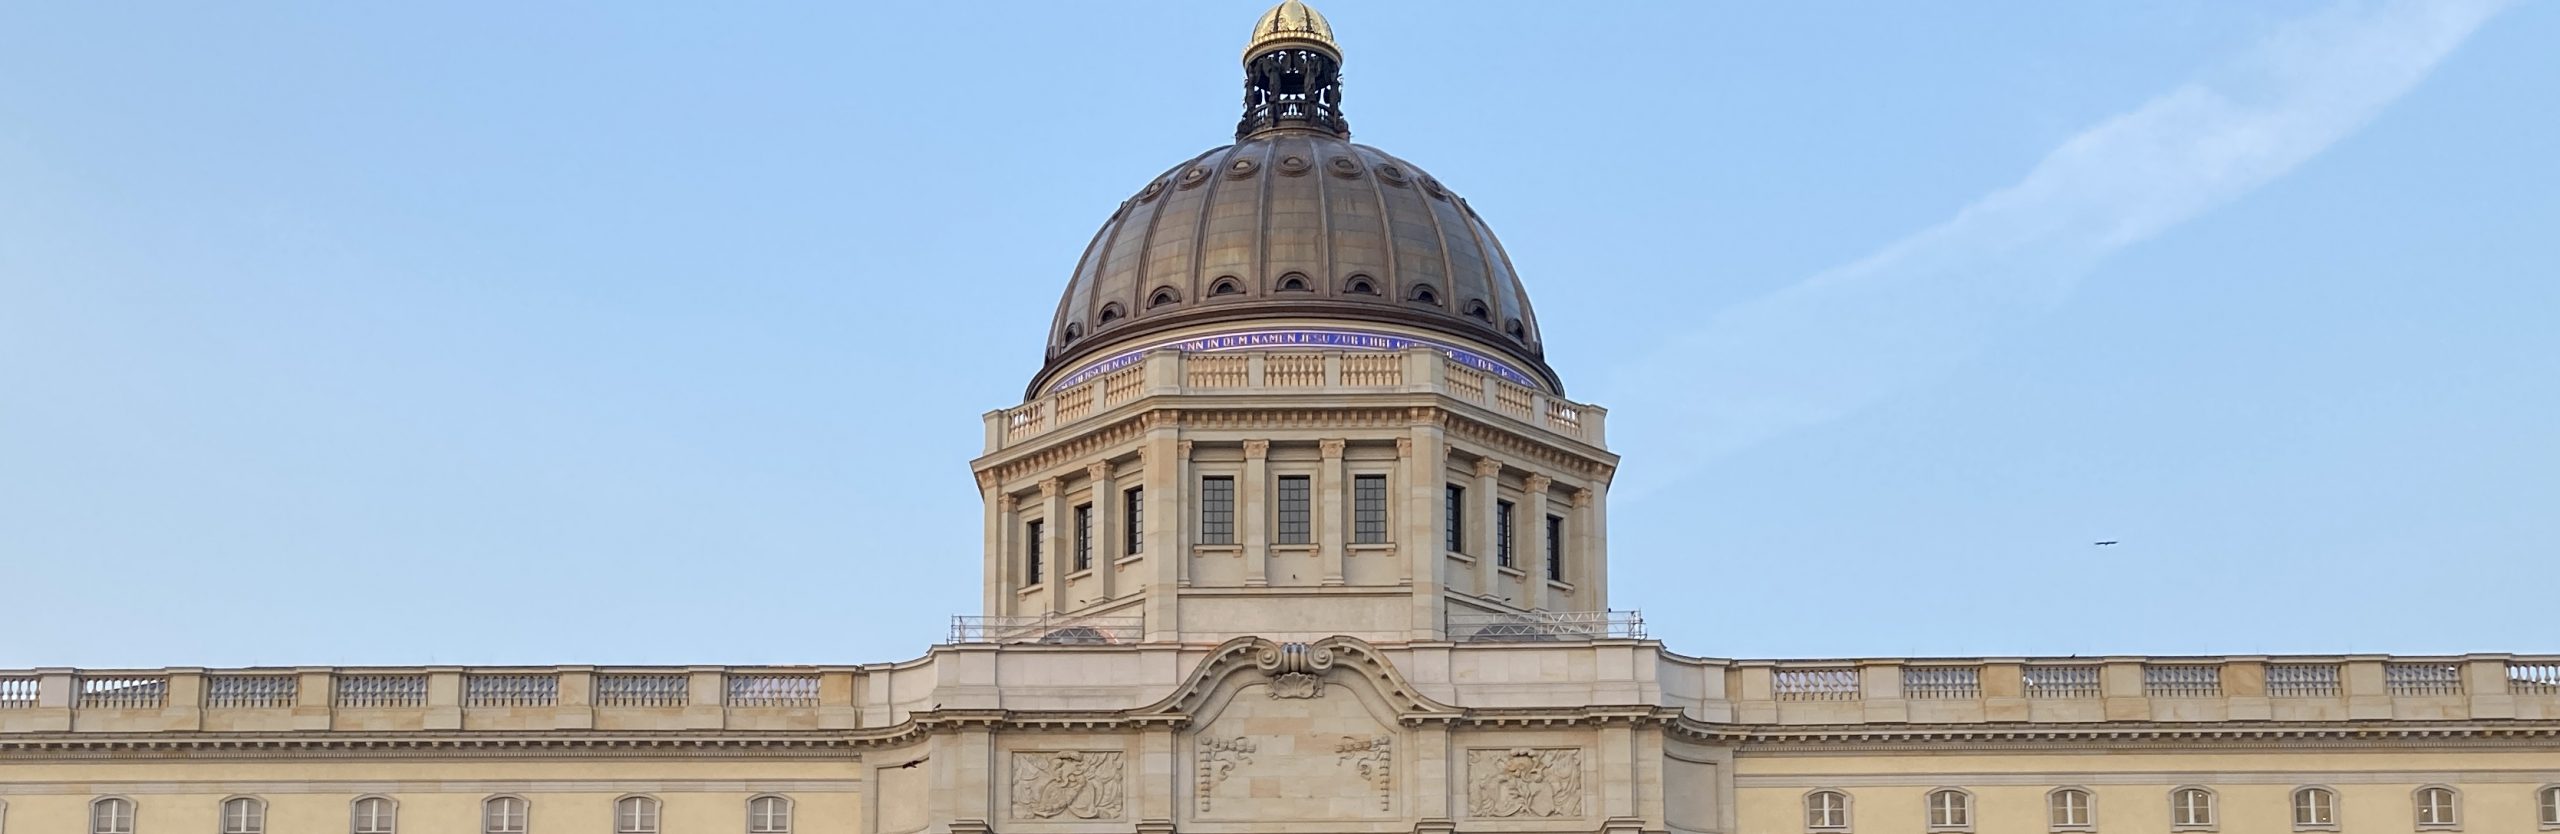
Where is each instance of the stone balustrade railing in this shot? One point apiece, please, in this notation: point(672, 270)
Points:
point(2204, 689)
point(428, 698)
point(1410, 371)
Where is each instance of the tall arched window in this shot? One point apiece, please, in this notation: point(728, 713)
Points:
point(2191, 809)
point(635, 815)
point(505, 815)
point(1950, 810)
point(2315, 809)
point(112, 815)
point(1826, 811)
point(2070, 809)
point(2439, 808)
point(2551, 807)
point(244, 815)
point(769, 815)
point(373, 815)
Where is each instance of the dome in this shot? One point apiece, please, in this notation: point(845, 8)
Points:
point(1295, 222)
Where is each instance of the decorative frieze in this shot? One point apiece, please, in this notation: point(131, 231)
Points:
point(1068, 784)
point(1525, 782)
point(1373, 757)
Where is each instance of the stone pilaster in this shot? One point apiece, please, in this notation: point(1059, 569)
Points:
point(1053, 550)
point(1106, 531)
point(1331, 520)
point(1533, 505)
point(1483, 537)
point(1253, 513)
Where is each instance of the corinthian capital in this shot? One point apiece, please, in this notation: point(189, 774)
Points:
point(1256, 449)
point(1099, 471)
point(1488, 467)
point(1331, 448)
point(1538, 483)
point(1049, 487)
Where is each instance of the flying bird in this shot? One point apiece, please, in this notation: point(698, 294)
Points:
point(2102, 544)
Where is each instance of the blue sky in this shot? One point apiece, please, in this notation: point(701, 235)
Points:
point(611, 333)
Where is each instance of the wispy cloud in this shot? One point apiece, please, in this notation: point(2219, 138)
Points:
point(1858, 333)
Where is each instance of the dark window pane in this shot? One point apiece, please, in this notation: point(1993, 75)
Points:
point(1369, 509)
point(1084, 536)
point(1453, 517)
point(1502, 533)
point(1133, 514)
point(1294, 510)
point(1032, 538)
point(1218, 510)
point(1555, 548)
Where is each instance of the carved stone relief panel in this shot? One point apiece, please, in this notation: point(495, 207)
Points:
point(1524, 782)
point(1067, 785)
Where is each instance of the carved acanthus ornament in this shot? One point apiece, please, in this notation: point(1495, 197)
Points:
point(1524, 782)
point(1050, 487)
point(1099, 472)
point(1538, 483)
point(1296, 669)
point(1404, 448)
point(1217, 759)
point(1374, 757)
point(1332, 449)
point(1075, 784)
point(1582, 497)
point(1256, 449)
point(1488, 467)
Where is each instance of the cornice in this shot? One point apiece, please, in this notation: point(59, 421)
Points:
point(1074, 446)
point(2122, 735)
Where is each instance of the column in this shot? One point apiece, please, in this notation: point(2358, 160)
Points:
point(1167, 462)
point(1418, 470)
point(1053, 552)
point(1253, 511)
point(1485, 539)
point(1331, 521)
point(1106, 526)
point(999, 515)
point(1533, 511)
point(1590, 565)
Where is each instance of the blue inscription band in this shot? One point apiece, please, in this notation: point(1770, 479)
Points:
point(1310, 338)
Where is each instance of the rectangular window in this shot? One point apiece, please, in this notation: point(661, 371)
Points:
point(1084, 537)
point(1218, 510)
point(1031, 540)
point(1369, 509)
point(1502, 533)
point(1453, 517)
point(1555, 548)
point(1295, 514)
point(1133, 518)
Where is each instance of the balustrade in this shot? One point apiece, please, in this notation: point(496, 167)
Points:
point(123, 692)
point(642, 690)
point(2302, 680)
point(2061, 682)
point(511, 691)
point(382, 691)
point(773, 691)
point(2422, 679)
point(2182, 681)
point(1942, 683)
point(251, 691)
point(1831, 683)
point(18, 692)
point(2533, 678)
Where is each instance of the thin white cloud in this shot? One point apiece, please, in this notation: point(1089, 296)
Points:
point(1909, 313)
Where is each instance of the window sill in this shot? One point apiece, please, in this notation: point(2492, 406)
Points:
point(2441, 826)
point(1129, 559)
point(2316, 826)
point(1950, 829)
point(1561, 585)
point(1028, 590)
point(1079, 574)
point(2073, 829)
point(1371, 547)
point(1218, 549)
point(1460, 557)
point(1299, 548)
point(1510, 571)
point(2196, 827)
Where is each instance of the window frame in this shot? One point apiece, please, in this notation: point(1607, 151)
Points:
point(2420, 807)
point(257, 823)
point(2295, 807)
point(1372, 517)
point(524, 815)
point(1505, 516)
point(131, 820)
point(2546, 807)
point(1847, 809)
point(1035, 537)
point(657, 809)
point(1453, 523)
point(1083, 551)
point(1953, 816)
point(1133, 520)
point(355, 823)
point(1555, 548)
point(2212, 808)
point(789, 811)
point(1220, 513)
point(2088, 809)
point(1293, 516)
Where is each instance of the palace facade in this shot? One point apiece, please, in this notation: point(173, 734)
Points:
point(1296, 531)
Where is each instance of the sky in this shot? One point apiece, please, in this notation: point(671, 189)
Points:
point(615, 333)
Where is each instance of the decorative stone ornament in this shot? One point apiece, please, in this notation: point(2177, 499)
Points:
point(1070, 784)
point(1217, 759)
point(1524, 782)
point(1296, 669)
